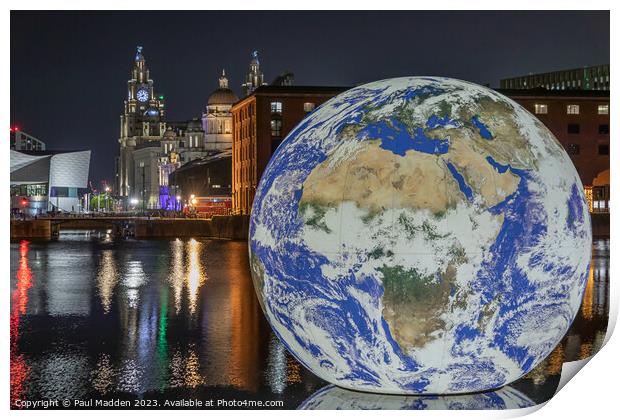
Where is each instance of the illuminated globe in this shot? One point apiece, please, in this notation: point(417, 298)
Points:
point(420, 235)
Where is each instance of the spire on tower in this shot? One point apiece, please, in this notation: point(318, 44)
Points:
point(254, 77)
point(139, 56)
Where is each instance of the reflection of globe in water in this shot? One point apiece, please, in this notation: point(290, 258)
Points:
point(420, 235)
point(334, 398)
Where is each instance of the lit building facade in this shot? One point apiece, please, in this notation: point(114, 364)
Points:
point(217, 118)
point(151, 148)
point(260, 123)
point(142, 122)
point(586, 78)
point(580, 121)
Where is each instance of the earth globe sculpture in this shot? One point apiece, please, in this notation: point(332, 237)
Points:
point(420, 235)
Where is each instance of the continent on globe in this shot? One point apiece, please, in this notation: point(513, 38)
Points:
point(420, 235)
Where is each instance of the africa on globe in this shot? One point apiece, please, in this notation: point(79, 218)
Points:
point(420, 235)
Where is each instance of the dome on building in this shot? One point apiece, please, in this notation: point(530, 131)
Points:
point(223, 95)
point(169, 134)
point(194, 125)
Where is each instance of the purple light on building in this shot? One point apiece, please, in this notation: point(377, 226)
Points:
point(166, 201)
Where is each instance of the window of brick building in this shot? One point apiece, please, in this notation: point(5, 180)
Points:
point(276, 107)
point(276, 128)
point(603, 149)
point(541, 109)
point(573, 128)
point(572, 109)
point(603, 109)
point(573, 149)
point(309, 106)
point(603, 129)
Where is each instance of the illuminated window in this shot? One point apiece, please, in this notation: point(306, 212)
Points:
point(541, 109)
point(572, 109)
point(276, 128)
point(276, 107)
point(309, 106)
point(572, 149)
point(603, 109)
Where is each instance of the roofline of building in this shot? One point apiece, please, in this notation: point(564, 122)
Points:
point(545, 93)
point(291, 91)
point(48, 152)
point(225, 154)
point(554, 71)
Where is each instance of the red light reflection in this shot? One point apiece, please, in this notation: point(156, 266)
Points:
point(19, 303)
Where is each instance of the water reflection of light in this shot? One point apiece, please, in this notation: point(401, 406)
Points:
point(64, 374)
point(195, 273)
point(19, 368)
point(133, 279)
point(585, 350)
point(104, 375)
point(177, 271)
point(185, 369)
point(107, 278)
point(24, 279)
point(129, 378)
point(586, 305)
point(276, 366)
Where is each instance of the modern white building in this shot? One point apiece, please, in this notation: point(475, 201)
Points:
point(44, 181)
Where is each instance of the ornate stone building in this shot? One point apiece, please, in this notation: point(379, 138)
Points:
point(142, 123)
point(217, 119)
point(255, 78)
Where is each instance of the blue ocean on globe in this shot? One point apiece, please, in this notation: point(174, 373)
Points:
point(420, 235)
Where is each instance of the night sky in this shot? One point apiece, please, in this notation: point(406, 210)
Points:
point(69, 70)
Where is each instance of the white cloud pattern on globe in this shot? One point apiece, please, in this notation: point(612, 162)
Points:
point(420, 235)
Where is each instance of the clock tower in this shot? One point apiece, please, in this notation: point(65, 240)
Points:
point(142, 121)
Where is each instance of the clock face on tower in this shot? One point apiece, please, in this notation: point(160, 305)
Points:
point(142, 95)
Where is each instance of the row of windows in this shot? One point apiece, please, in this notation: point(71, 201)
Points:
point(574, 149)
point(576, 128)
point(29, 190)
point(276, 107)
point(602, 109)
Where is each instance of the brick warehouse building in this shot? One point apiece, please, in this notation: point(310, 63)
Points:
point(260, 123)
point(578, 118)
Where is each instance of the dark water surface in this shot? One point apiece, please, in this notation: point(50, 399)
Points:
point(98, 318)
